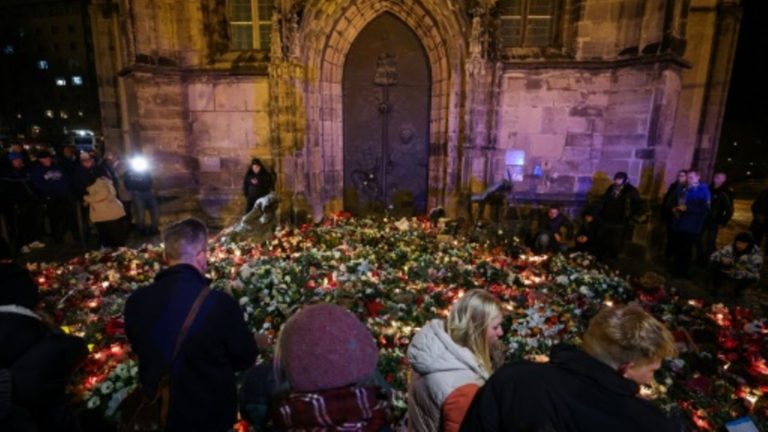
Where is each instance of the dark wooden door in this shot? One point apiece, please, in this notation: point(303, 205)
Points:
point(386, 120)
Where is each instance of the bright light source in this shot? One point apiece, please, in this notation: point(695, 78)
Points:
point(77, 80)
point(63, 114)
point(49, 113)
point(61, 82)
point(42, 65)
point(139, 164)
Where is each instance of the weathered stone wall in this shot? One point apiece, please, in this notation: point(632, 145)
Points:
point(576, 126)
point(612, 94)
point(228, 120)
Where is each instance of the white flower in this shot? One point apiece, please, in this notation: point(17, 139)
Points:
point(106, 387)
point(93, 402)
point(122, 370)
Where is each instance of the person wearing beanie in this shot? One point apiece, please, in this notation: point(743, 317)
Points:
point(36, 361)
point(736, 266)
point(620, 207)
point(257, 183)
point(451, 360)
point(325, 357)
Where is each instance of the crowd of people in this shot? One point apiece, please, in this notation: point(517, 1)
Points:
point(692, 213)
point(72, 191)
point(321, 373)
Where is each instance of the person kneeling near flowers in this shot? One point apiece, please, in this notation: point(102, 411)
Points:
point(737, 265)
point(323, 377)
point(451, 360)
point(594, 388)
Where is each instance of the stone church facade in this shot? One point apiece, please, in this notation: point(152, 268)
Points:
point(413, 103)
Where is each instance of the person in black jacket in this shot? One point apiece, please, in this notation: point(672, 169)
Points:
point(202, 378)
point(620, 207)
point(138, 182)
point(586, 236)
point(720, 212)
point(257, 183)
point(36, 361)
point(53, 185)
point(553, 230)
point(672, 198)
point(594, 388)
point(759, 224)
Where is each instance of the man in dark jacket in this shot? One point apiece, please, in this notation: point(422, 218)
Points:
point(760, 218)
point(257, 182)
point(202, 378)
point(138, 182)
point(586, 236)
point(620, 207)
point(689, 219)
point(53, 186)
point(593, 389)
point(553, 230)
point(720, 212)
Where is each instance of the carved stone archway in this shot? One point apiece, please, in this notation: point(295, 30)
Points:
point(326, 35)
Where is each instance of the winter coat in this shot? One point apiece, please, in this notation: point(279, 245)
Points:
point(746, 266)
point(620, 208)
point(219, 343)
point(556, 225)
point(721, 206)
point(102, 201)
point(697, 200)
point(137, 181)
point(671, 200)
point(264, 184)
point(51, 182)
point(446, 377)
point(574, 392)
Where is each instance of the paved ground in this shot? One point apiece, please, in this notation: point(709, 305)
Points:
point(695, 287)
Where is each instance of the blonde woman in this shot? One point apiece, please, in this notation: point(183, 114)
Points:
point(451, 360)
point(592, 388)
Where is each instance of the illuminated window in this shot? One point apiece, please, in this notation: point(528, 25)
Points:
point(61, 82)
point(49, 113)
point(42, 65)
point(250, 23)
point(80, 113)
point(527, 23)
point(77, 80)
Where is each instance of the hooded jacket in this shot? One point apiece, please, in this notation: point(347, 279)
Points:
point(446, 377)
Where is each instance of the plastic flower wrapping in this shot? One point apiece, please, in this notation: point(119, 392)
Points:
point(396, 276)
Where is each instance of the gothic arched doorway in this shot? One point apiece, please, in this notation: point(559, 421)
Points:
point(386, 96)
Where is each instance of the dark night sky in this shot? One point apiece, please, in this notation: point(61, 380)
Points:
point(746, 116)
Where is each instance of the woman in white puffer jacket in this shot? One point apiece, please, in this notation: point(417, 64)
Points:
point(450, 360)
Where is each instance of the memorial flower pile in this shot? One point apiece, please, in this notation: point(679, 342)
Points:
point(396, 276)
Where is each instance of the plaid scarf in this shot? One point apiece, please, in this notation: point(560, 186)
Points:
point(346, 409)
